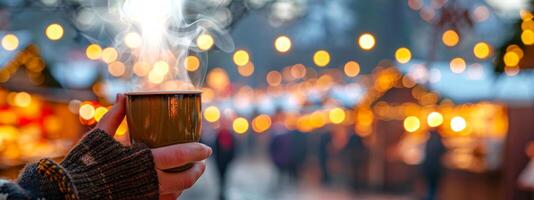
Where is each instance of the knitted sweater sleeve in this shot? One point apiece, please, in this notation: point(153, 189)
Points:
point(97, 168)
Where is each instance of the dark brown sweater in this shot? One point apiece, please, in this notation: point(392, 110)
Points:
point(97, 168)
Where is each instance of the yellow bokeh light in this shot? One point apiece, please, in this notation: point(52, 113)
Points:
point(212, 114)
point(352, 69)
point(93, 51)
point(367, 41)
point(155, 77)
point(122, 129)
point(261, 123)
point(218, 79)
point(482, 50)
point(450, 38)
point(246, 70)
point(240, 125)
point(23, 99)
point(54, 31)
point(516, 49)
point(282, 44)
point(10, 42)
point(457, 65)
point(458, 124)
point(133, 40)
point(192, 63)
point(116, 68)
point(434, 119)
point(100, 112)
point(527, 37)
point(321, 58)
point(337, 115)
point(241, 57)
point(205, 42)
point(109, 55)
point(141, 68)
point(412, 124)
point(274, 78)
point(403, 55)
point(511, 59)
point(87, 111)
point(161, 67)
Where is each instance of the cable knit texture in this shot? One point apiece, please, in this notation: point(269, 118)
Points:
point(97, 168)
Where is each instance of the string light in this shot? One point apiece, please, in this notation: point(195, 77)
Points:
point(403, 55)
point(457, 65)
point(212, 114)
point(336, 115)
point(205, 42)
point(93, 51)
point(450, 38)
point(352, 69)
point(321, 58)
point(527, 36)
point(482, 50)
point(246, 70)
point(54, 32)
point(10, 42)
point(133, 40)
point(367, 41)
point(458, 124)
point(109, 55)
point(511, 59)
point(241, 57)
point(412, 124)
point(261, 123)
point(116, 68)
point(240, 125)
point(141, 68)
point(23, 99)
point(282, 44)
point(192, 63)
point(86, 111)
point(434, 119)
point(274, 78)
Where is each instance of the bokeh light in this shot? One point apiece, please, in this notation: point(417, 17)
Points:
point(527, 37)
point(133, 40)
point(116, 68)
point(10, 42)
point(109, 55)
point(241, 57)
point(274, 78)
point(337, 115)
point(412, 124)
point(240, 125)
point(23, 99)
point(511, 59)
point(403, 55)
point(192, 63)
point(321, 58)
point(482, 50)
point(87, 111)
point(54, 32)
point(282, 44)
point(367, 41)
point(457, 65)
point(261, 123)
point(434, 119)
point(246, 70)
point(218, 79)
point(450, 38)
point(93, 51)
point(100, 112)
point(458, 124)
point(352, 69)
point(205, 42)
point(212, 114)
point(141, 68)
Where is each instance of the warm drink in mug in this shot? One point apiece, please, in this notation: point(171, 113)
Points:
point(164, 118)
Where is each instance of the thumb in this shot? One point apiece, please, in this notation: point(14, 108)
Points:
point(113, 118)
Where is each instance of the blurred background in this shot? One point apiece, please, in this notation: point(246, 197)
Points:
point(321, 99)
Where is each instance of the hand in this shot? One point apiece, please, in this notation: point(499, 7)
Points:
point(171, 185)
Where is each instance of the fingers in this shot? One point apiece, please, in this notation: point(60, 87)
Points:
point(113, 118)
point(169, 196)
point(180, 154)
point(176, 182)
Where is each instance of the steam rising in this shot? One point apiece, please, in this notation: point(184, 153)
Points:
point(162, 31)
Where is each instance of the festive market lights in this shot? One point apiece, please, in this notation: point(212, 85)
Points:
point(218, 79)
point(352, 69)
point(282, 44)
point(109, 55)
point(261, 123)
point(246, 70)
point(458, 124)
point(403, 55)
point(457, 65)
point(212, 114)
point(141, 68)
point(321, 58)
point(336, 115)
point(205, 42)
point(192, 63)
point(241, 57)
point(54, 32)
point(133, 40)
point(511, 59)
point(23, 99)
point(274, 78)
point(87, 111)
point(450, 38)
point(116, 68)
point(93, 51)
point(434, 119)
point(482, 50)
point(527, 37)
point(100, 112)
point(367, 41)
point(240, 125)
point(10, 42)
point(412, 124)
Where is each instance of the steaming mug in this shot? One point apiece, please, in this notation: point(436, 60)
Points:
point(160, 119)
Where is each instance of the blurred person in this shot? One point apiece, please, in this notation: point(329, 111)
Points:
point(324, 141)
point(224, 150)
point(280, 151)
point(99, 167)
point(431, 167)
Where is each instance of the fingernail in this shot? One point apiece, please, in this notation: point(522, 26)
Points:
point(210, 151)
